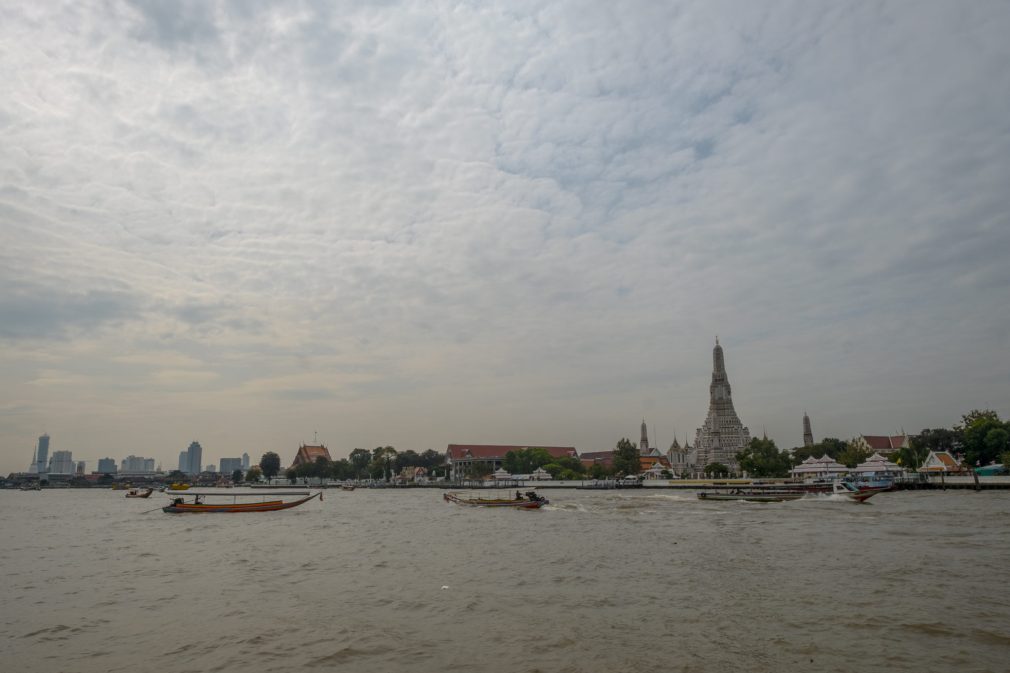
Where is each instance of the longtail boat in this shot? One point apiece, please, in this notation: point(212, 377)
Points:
point(857, 493)
point(198, 506)
point(530, 501)
point(751, 495)
point(137, 493)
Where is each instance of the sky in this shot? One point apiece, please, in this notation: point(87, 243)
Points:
point(252, 224)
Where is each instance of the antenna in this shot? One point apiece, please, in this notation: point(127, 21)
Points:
point(315, 440)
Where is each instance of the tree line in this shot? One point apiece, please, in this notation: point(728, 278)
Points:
point(981, 438)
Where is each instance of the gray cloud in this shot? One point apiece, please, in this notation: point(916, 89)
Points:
point(481, 223)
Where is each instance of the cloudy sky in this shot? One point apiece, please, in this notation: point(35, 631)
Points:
point(415, 223)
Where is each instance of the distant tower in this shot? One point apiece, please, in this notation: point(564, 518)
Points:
point(722, 435)
point(245, 461)
point(643, 446)
point(195, 462)
point(42, 455)
point(808, 434)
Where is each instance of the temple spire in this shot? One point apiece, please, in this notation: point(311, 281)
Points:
point(808, 433)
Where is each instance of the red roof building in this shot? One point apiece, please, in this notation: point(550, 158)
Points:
point(463, 457)
point(308, 454)
point(604, 458)
point(882, 444)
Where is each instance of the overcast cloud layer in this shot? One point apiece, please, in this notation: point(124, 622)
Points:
point(419, 223)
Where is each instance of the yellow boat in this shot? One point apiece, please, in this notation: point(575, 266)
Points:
point(179, 487)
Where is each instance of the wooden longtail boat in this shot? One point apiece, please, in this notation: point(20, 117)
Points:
point(137, 493)
point(531, 501)
point(854, 492)
point(752, 496)
point(178, 506)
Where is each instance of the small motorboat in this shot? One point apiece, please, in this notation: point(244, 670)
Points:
point(178, 487)
point(530, 501)
point(137, 493)
point(347, 487)
point(198, 506)
point(855, 492)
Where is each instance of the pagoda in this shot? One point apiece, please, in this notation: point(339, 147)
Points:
point(722, 435)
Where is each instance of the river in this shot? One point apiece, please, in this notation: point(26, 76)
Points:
point(382, 580)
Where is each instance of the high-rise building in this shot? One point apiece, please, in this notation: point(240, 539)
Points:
point(184, 462)
point(42, 454)
point(106, 466)
point(245, 461)
point(808, 433)
point(229, 465)
point(62, 462)
point(722, 435)
point(80, 468)
point(194, 459)
point(137, 464)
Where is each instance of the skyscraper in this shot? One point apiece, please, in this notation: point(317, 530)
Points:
point(722, 435)
point(62, 462)
point(808, 433)
point(194, 462)
point(184, 462)
point(106, 466)
point(42, 454)
point(245, 461)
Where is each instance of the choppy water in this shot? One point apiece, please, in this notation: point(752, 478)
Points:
point(598, 581)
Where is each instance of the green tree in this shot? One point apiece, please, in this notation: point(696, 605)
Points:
point(381, 466)
point(291, 474)
point(978, 415)
point(321, 468)
point(979, 449)
point(341, 469)
point(761, 458)
point(236, 476)
point(177, 476)
point(716, 470)
point(1006, 459)
point(597, 471)
point(852, 456)
point(831, 446)
point(254, 474)
point(626, 458)
point(270, 464)
point(359, 459)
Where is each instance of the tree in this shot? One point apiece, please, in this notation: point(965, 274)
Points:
point(270, 464)
point(177, 476)
point(761, 458)
point(978, 415)
point(291, 474)
point(831, 446)
point(716, 470)
point(236, 476)
point(382, 462)
point(254, 474)
point(359, 459)
point(626, 458)
point(597, 471)
point(979, 448)
point(321, 468)
point(852, 456)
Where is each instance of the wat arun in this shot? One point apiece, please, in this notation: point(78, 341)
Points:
point(722, 435)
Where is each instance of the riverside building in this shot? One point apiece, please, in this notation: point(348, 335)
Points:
point(722, 435)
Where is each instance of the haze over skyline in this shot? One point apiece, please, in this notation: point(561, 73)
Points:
point(425, 223)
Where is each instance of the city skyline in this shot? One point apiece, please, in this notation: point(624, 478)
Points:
point(408, 226)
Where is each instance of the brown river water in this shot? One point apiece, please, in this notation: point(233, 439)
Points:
point(381, 580)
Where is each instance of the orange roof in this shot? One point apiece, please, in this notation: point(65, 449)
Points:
point(884, 442)
point(497, 452)
point(308, 454)
point(645, 462)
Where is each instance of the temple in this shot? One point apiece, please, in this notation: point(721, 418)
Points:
point(308, 454)
point(808, 433)
point(722, 435)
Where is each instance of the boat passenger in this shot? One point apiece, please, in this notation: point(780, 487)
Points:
point(519, 496)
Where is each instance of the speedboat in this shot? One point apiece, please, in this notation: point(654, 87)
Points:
point(530, 501)
point(854, 492)
point(756, 495)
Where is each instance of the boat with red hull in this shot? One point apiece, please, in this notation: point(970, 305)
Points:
point(180, 506)
point(137, 493)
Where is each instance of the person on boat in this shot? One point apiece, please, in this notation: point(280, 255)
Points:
point(519, 496)
point(198, 500)
point(177, 501)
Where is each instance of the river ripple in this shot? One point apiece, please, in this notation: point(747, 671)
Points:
point(598, 581)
